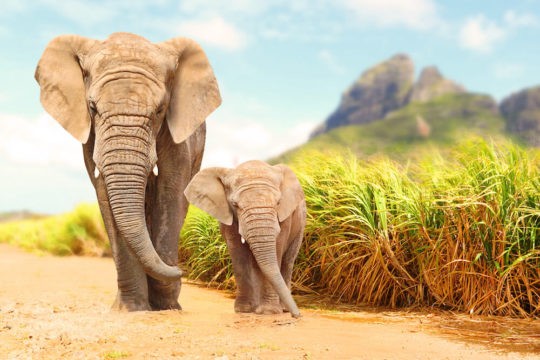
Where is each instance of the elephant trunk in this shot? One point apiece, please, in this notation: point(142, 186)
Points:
point(125, 168)
point(261, 235)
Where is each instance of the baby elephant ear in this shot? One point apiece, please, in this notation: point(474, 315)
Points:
point(292, 194)
point(195, 93)
point(206, 191)
point(60, 79)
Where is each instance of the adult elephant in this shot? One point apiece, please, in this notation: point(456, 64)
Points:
point(139, 109)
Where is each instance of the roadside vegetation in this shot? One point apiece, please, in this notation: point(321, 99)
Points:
point(459, 231)
point(80, 232)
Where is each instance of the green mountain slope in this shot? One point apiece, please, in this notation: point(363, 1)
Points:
point(419, 126)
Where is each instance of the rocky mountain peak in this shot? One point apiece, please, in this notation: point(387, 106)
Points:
point(379, 90)
point(522, 113)
point(389, 86)
point(431, 84)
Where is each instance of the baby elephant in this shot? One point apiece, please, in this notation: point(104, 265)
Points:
point(263, 206)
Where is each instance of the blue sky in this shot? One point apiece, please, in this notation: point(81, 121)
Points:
point(281, 66)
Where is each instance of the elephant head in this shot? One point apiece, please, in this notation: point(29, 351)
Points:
point(258, 197)
point(120, 91)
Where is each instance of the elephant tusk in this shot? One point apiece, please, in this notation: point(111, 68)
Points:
point(155, 170)
point(96, 172)
point(243, 240)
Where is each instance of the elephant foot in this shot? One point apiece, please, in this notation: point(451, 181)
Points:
point(165, 304)
point(242, 306)
point(267, 309)
point(128, 305)
point(164, 295)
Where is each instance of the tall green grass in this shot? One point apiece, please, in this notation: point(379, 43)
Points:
point(203, 250)
point(80, 232)
point(460, 233)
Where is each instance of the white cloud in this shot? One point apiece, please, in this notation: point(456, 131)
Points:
point(331, 62)
point(514, 19)
point(415, 14)
point(480, 34)
point(214, 32)
point(40, 141)
point(231, 141)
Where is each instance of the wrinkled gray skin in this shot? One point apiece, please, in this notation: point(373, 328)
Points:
point(135, 105)
point(264, 205)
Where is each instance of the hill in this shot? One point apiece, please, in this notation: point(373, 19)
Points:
point(386, 110)
point(522, 114)
point(414, 128)
point(19, 215)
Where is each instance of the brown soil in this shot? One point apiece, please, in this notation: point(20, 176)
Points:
point(52, 308)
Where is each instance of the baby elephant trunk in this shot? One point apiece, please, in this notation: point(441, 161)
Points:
point(265, 255)
point(262, 242)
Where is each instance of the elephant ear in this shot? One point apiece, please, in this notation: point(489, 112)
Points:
point(206, 191)
point(195, 93)
point(60, 79)
point(291, 193)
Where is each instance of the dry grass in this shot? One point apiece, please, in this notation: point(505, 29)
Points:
point(204, 252)
point(461, 233)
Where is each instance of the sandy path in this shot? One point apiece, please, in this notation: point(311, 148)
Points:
point(53, 308)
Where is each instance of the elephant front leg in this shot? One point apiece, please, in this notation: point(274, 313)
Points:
point(269, 300)
point(165, 228)
point(132, 292)
point(289, 257)
point(244, 269)
point(166, 211)
point(166, 206)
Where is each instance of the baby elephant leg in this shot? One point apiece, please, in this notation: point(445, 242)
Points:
point(269, 300)
point(288, 260)
point(247, 292)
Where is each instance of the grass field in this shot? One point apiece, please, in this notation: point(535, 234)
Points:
point(458, 232)
point(80, 232)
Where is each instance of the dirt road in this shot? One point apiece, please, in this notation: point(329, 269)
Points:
point(58, 308)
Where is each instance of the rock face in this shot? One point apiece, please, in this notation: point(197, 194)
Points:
point(522, 114)
point(379, 90)
point(431, 84)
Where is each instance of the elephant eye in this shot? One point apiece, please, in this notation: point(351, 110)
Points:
point(92, 108)
point(160, 110)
